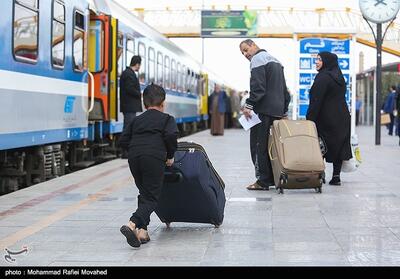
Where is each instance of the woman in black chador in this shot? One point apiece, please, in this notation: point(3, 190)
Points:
point(329, 111)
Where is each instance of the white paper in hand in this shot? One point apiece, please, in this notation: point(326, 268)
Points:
point(248, 123)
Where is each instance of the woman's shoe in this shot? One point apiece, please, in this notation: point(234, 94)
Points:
point(335, 180)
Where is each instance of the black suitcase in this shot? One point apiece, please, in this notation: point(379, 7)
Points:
point(193, 191)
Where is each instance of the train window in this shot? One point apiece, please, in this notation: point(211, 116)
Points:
point(173, 74)
point(178, 77)
point(130, 50)
point(166, 72)
point(159, 80)
point(196, 82)
point(142, 70)
point(120, 50)
point(29, 3)
point(183, 78)
point(58, 35)
point(189, 81)
point(96, 36)
point(152, 66)
point(79, 20)
point(78, 41)
point(26, 18)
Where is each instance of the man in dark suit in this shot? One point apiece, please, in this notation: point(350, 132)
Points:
point(130, 95)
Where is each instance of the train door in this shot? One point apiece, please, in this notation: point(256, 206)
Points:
point(115, 51)
point(203, 93)
point(100, 46)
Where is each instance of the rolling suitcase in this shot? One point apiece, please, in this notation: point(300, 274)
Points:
point(192, 191)
point(295, 155)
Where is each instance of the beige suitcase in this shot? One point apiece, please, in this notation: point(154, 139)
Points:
point(295, 155)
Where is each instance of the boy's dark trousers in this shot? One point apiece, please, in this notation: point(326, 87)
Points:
point(148, 172)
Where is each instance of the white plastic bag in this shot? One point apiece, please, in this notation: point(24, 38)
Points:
point(353, 164)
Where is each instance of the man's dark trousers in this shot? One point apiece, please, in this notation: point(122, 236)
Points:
point(148, 172)
point(128, 117)
point(259, 150)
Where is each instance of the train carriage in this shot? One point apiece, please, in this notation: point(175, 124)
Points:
point(59, 78)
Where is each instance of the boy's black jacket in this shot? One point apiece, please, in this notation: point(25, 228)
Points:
point(152, 133)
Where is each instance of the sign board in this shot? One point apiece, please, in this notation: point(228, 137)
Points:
point(229, 23)
point(306, 71)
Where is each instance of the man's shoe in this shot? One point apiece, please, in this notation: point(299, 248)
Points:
point(335, 180)
point(256, 186)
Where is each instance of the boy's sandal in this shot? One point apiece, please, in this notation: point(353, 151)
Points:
point(145, 240)
point(131, 236)
point(255, 186)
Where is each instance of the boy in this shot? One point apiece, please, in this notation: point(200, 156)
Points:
point(152, 141)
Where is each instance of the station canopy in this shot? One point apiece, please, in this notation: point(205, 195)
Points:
point(264, 22)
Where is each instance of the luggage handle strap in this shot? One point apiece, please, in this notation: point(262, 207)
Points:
point(173, 175)
point(270, 151)
point(296, 136)
point(302, 179)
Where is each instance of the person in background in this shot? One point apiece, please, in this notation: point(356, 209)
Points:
point(235, 106)
point(268, 98)
point(389, 107)
point(358, 109)
point(217, 109)
point(228, 111)
point(130, 95)
point(329, 111)
point(152, 141)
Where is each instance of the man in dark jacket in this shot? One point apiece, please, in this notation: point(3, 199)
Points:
point(130, 95)
point(269, 98)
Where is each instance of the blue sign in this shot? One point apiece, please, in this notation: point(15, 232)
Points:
point(308, 50)
point(69, 104)
point(315, 45)
point(303, 110)
point(347, 79)
point(305, 63)
point(305, 79)
point(348, 97)
point(344, 63)
point(304, 94)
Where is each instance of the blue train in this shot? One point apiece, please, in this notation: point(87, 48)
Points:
point(59, 76)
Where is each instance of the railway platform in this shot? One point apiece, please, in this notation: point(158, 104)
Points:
point(74, 220)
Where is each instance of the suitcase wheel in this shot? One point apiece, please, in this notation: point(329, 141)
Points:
point(318, 190)
point(168, 224)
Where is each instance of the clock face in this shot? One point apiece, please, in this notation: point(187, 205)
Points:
point(379, 11)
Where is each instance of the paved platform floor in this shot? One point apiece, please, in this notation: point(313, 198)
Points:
point(75, 219)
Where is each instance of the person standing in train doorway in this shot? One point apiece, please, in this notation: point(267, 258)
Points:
point(130, 95)
point(329, 111)
point(269, 98)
